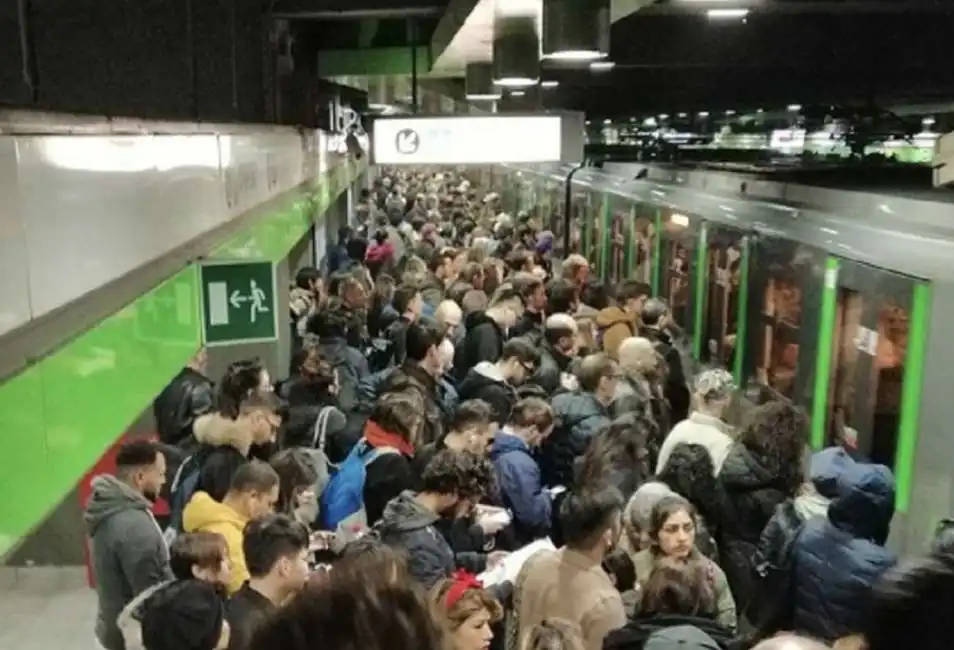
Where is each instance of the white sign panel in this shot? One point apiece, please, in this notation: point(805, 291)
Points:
point(867, 340)
point(467, 140)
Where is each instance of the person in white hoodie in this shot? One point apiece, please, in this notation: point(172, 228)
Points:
point(496, 382)
point(712, 394)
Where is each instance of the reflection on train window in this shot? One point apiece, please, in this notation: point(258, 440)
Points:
point(678, 252)
point(578, 222)
point(888, 371)
point(842, 424)
point(725, 263)
point(617, 245)
point(779, 336)
point(643, 264)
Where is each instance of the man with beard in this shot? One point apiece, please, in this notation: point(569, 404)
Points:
point(128, 552)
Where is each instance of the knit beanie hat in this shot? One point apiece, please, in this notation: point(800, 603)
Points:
point(185, 615)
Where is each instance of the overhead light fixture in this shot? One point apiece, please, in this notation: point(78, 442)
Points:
point(703, 113)
point(683, 115)
point(727, 14)
point(794, 108)
point(607, 121)
point(602, 66)
point(516, 52)
point(575, 30)
point(518, 93)
point(479, 81)
point(549, 83)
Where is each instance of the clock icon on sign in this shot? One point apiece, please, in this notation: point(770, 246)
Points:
point(407, 141)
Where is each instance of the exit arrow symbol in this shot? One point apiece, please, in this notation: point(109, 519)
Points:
point(236, 299)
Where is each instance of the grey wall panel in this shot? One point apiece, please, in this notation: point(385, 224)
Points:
point(14, 285)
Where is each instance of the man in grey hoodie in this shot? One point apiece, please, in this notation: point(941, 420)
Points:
point(128, 551)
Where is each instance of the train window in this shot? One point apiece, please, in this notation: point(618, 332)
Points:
point(725, 263)
point(781, 317)
point(621, 233)
point(890, 348)
point(577, 220)
point(677, 252)
point(642, 263)
point(843, 427)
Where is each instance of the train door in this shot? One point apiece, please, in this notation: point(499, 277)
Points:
point(677, 243)
point(868, 348)
point(579, 206)
point(617, 214)
point(723, 290)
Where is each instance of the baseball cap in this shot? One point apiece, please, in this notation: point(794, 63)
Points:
point(682, 637)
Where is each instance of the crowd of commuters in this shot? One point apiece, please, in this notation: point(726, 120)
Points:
point(458, 397)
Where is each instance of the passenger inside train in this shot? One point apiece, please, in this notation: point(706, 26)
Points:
point(482, 444)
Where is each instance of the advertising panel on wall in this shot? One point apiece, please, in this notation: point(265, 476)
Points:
point(478, 140)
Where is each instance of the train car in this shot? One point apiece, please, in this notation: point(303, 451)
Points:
point(837, 302)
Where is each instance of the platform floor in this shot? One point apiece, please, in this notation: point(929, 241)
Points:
point(44, 609)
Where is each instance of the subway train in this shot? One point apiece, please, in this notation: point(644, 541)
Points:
point(836, 300)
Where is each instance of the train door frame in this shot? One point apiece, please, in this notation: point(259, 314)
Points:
point(713, 231)
point(603, 249)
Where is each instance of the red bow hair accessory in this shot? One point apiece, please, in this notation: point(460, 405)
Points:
point(463, 582)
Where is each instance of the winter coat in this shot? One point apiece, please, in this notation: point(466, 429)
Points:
point(351, 365)
point(203, 515)
point(386, 476)
point(373, 387)
point(637, 631)
point(396, 335)
point(615, 326)
point(530, 325)
point(129, 621)
point(521, 487)
point(750, 492)
point(553, 364)
point(433, 290)
point(635, 395)
point(580, 417)
point(568, 585)
point(186, 398)
point(409, 526)
point(485, 381)
point(433, 392)
point(483, 341)
point(725, 613)
point(298, 425)
point(676, 388)
point(224, 446)
point(127, 552)
point(698, 429)
point(838, 559)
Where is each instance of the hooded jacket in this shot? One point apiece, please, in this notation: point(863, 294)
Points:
point(177, 407)
point(205, 515)
point(521, 487)
point(408, 525)
point(485, 381)
point(128, 552)
point(224, 446)
point(553, 364)
point(483, 341)
point(615, 326)
point(838, 559)
point(580, 417)
point(129, 621)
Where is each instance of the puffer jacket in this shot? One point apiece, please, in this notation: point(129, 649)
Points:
point(187, 397)
point(485, 381)
point(224, 446)
point(409, 526)
point(837, 560)
point(616, 325)
point(351, 365)
point(580, 417)
point(483, 341)
point(553, 364)
point(750, 492)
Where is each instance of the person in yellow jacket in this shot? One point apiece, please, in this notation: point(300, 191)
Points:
point(620, 321)
point(253, 493)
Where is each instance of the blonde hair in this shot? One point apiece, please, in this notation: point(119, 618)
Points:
point(554, 634)
point(473, 601)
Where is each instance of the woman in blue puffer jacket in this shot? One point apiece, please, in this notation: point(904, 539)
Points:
point(838, 559)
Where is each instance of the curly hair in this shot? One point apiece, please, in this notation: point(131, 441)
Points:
point(460, 473)
point(689, 472)
point(776, 434)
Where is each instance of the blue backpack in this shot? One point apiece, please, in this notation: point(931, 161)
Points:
point(342, 501)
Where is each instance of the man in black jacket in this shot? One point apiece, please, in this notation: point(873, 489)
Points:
point(560, 345)
point(656, 319)
point(186, 397)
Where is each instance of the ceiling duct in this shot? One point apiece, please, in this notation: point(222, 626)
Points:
point(516, 52)
point(480, 82)
point(576, 30)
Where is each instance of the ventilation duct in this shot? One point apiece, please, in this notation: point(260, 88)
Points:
point(516, 52)
point(576, 30)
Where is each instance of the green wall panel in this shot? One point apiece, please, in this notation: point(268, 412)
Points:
point(60, 415)
point(373, 61)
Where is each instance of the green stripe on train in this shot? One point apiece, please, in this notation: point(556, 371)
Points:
point(61, 414)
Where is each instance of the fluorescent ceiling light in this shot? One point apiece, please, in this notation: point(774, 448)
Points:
point(727, 14)
point(516, 82)
point(794, 107)
point(575, 55)
point(481, 97)
point(518, 93)
point(602, 65)
point(549, 83)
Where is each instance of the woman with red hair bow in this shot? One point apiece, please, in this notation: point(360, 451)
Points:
point(468, 611)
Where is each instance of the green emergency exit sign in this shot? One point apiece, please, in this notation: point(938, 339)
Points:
point(239, 302)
